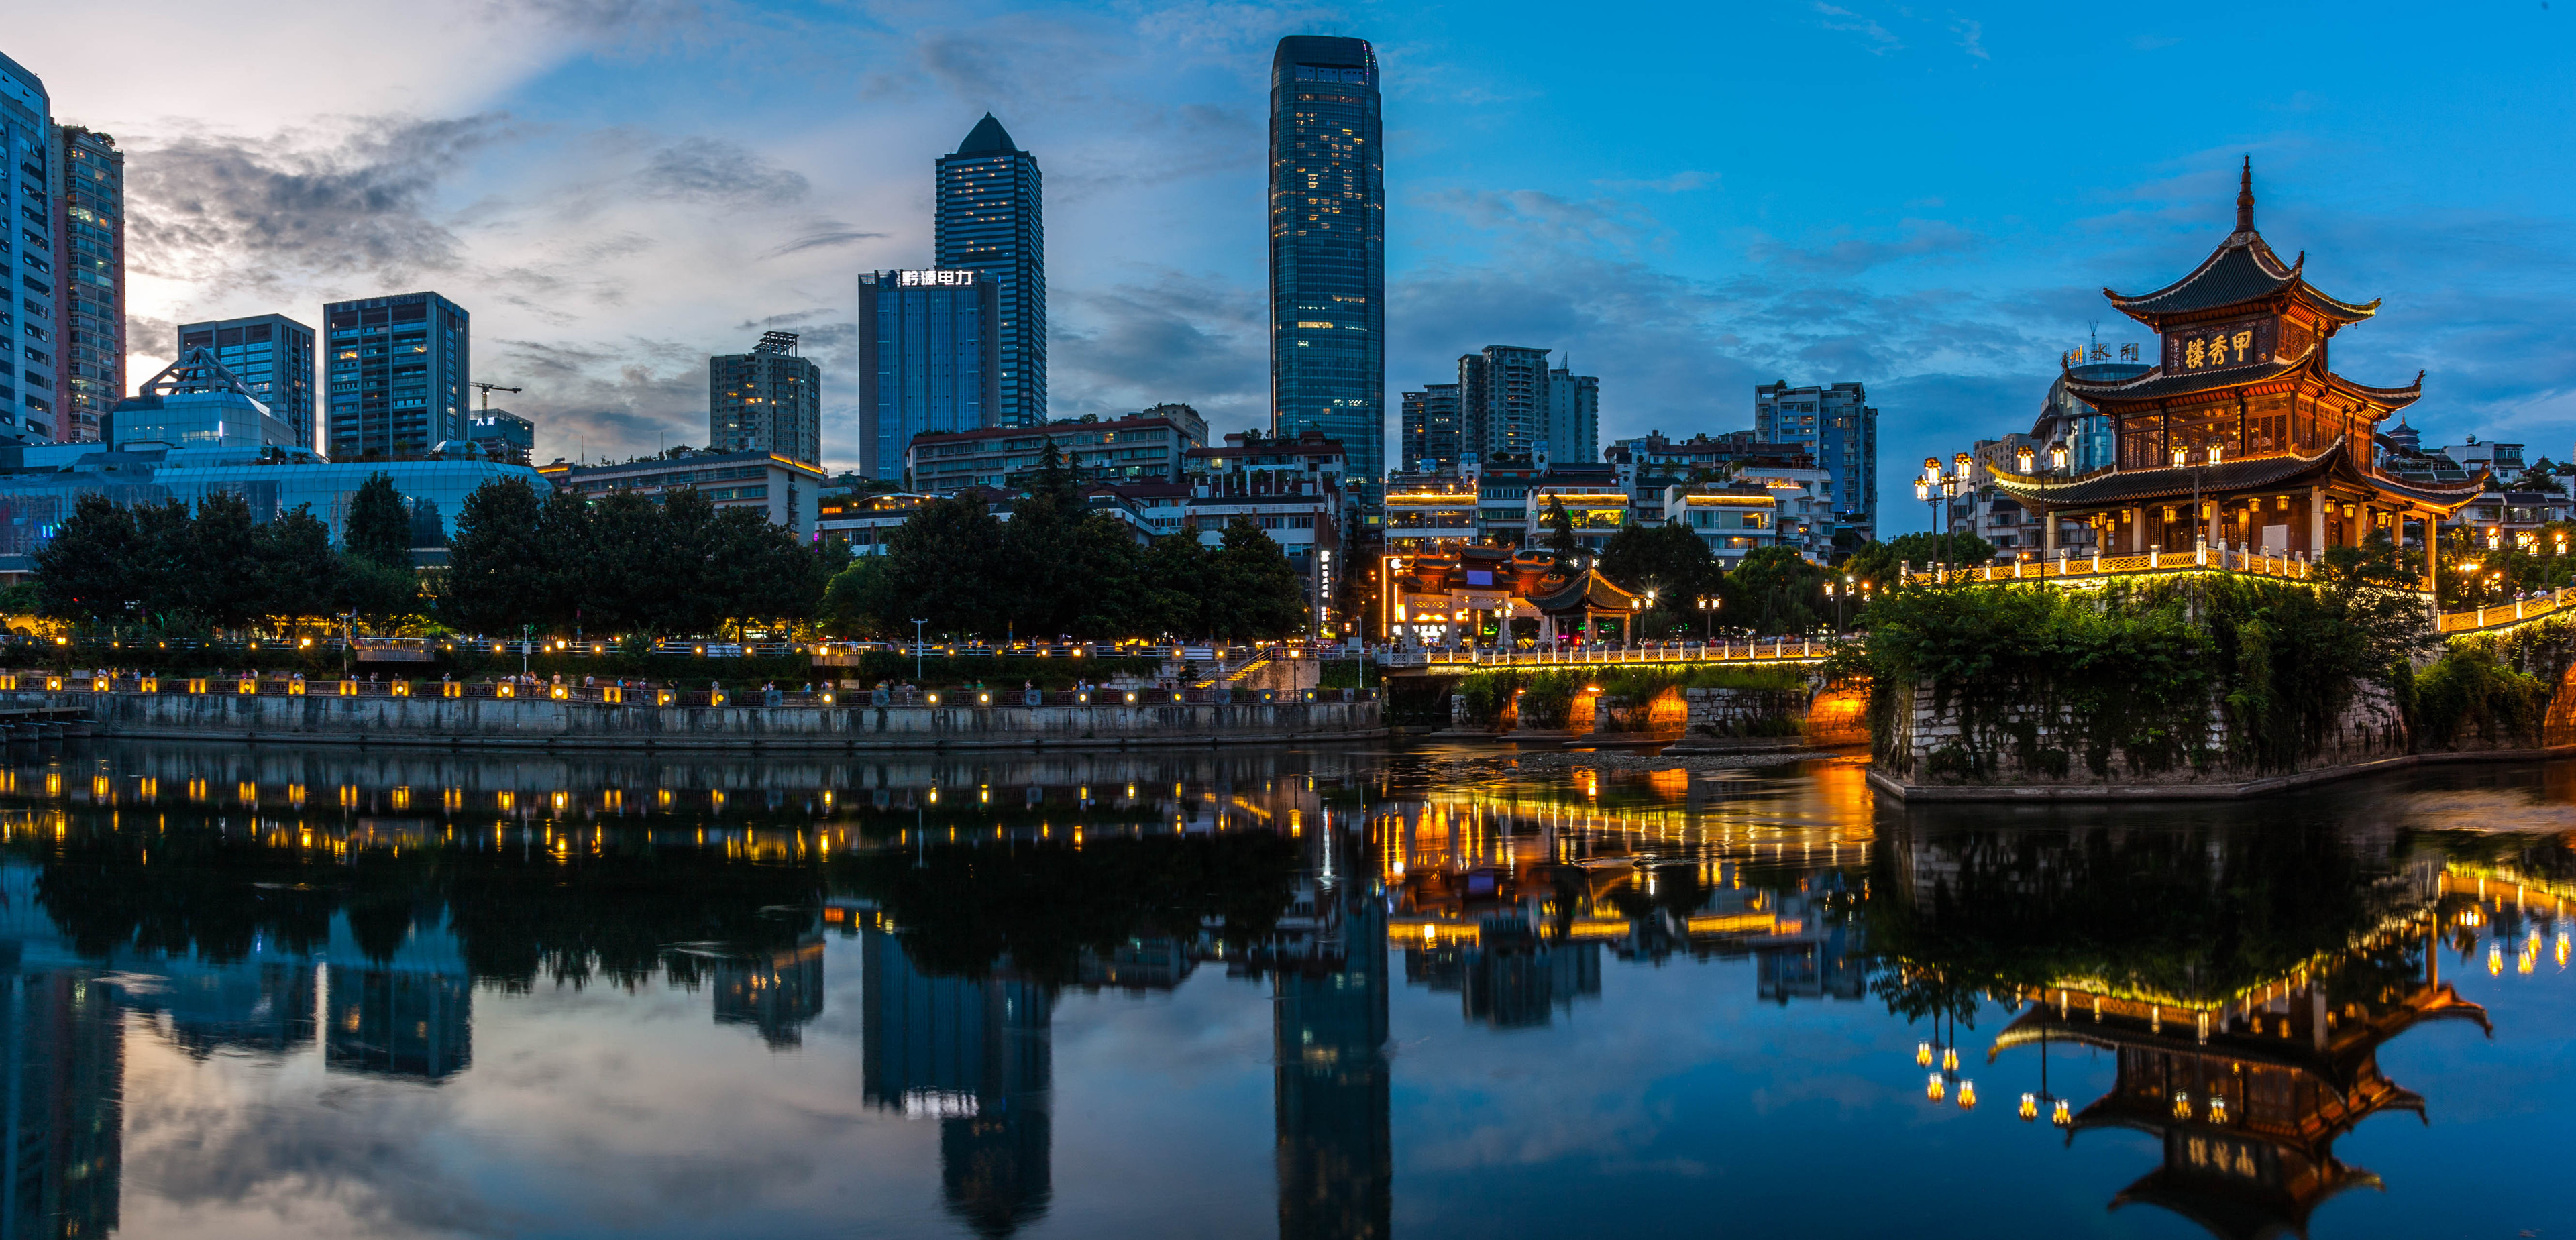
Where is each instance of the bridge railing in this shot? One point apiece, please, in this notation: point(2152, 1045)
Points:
point(2504, 615)
point(1756, 650)
point(2232, 559)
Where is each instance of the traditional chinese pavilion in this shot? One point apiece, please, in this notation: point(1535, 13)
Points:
point(1478, 591)
point(2244, 418)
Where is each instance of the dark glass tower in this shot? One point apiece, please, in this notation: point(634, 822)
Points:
point(398, 369)
point(928, 361)
point(1328, 248)
point(992, 219)
point(88, 174)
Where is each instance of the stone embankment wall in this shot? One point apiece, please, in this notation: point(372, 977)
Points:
point(1929, 752)
point(513, 723)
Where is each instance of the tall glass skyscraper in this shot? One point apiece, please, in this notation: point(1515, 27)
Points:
point(929, 360)
point(1328, 248)
point(398, 370)
point(88, 176)
point(272, 355)
point(29, 350)
point(992, 220)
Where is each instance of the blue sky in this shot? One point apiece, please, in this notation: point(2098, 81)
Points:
point(1686, 200)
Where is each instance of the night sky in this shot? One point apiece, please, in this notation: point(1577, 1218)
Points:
point(1684, 199)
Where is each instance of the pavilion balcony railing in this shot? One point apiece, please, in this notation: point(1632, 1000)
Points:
point(2231, 559)
point(2502, 615)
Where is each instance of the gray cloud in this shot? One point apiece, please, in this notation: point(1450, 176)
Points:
point(222, 211)
point(1853, 255)
point(1198, 340)
point(822, 234)
point(712, 170)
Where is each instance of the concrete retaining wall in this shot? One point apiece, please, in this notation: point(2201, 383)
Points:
point(506, 722)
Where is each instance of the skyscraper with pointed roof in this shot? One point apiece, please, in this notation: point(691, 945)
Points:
point(1328, 248)
point(992, 219)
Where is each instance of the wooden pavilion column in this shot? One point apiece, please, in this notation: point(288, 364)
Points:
point(2316, 522)
point(2137, 530)
point(2432, 552)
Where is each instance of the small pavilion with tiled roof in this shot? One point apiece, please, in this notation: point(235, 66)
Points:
point(2242, 436)
point(1478, 591)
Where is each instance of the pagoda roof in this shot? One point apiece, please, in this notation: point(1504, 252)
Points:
point(2157, 385)
point(2117, 486)
point(1585, 591)
point(2242, 271)
point(2238, 1210)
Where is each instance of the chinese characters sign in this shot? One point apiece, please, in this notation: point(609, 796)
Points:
point(933, 279)
point(2218, 346)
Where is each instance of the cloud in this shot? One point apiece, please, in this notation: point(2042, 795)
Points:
point(1971, 37)
point(1164, 336)
point(1541, 215)
point(1881, 39)
point(1853, 255)
point(715, 171)
point(218, 210)
point(1677, 183)
point(820, 235)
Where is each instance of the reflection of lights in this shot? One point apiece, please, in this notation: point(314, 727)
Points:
point(2217, 1110)
point(2062, 1116)
point(1950, 1059)
point(1935, 1087)
point(2182, 1105)
point(2029, 1106)
point(2523, 962)
point(1923, 1054)
point(1967, 1095)
point(2495, 959)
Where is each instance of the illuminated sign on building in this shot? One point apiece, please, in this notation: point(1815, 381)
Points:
point(933, 279)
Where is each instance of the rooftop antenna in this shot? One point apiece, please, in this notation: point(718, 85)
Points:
point(487, 389)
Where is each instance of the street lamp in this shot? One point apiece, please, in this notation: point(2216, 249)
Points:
point(1708, 619)
point(916, 648)
point(2057, 455)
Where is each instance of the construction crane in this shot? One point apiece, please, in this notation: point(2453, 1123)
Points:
point(487, 389)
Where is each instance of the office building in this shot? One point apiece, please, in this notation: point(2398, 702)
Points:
point(767, 400)
point(503, 436)
point(88, 186)
point(1503, 401)
point(1137, 448)
point(1573, 416)
point(929, 361)
point(194, 402)
point(783, 490)
point(273, 357)
point(1430, 429)
point(29, 335)
point(1837, 424)
point(1295, 490)
point(1328, 249)
point(398, 373)
point(992, 221)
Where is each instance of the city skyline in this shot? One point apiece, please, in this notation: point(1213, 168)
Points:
point(547, 189)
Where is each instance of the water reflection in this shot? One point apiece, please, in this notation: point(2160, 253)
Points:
point(2220, 981)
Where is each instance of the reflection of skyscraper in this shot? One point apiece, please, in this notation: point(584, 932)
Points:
point(1336, 1160)
point(1508, 977)
point(62, 1078)
point(976, 1055)
point(778, 992)
point(253, 1006)
point(400, 1022)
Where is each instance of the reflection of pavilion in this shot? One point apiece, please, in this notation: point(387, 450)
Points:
point(976, 1055)
point(776, 992)
point(2248, 1098)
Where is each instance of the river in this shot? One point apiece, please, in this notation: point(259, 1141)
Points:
point(1340, 992)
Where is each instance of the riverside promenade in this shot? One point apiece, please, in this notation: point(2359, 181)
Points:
point(353, 712)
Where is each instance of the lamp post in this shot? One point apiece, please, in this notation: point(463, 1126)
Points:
point(916, 648)
point(1708, 619)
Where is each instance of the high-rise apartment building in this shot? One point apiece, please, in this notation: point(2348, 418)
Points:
point(1503, 400)
point(1328, 249)
point(87, 175)
point(1573, 416)
point(767, 400)
point(398, 373)
point(929, 360)
point(1838, 426)
point(992, 221)
point(1430, 430)
point(272, 355)
point(30, 344)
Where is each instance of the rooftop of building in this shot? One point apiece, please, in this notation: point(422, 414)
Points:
point(986, 138)
point(691, 459)
point(1048, 430)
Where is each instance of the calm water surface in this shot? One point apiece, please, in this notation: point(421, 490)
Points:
point(260, 992)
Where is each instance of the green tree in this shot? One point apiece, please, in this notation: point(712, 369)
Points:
point(766, 577)
point(941, 566)
point(1254, 594)
point(89, 569)
point(299, 574)
point(379, 525)
point(496, 578)
point(855, 601)
point(1172, 587)
point(1878, 563)
point(693, 582)
point(1560, 532)
point(224, 577)
point(1774, 591)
